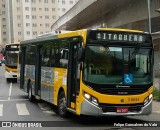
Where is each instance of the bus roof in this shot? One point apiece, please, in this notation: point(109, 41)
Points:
point(82, 33)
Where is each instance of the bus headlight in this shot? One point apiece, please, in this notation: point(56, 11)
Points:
point(90, 98)
point(150, 96)
point(94, 101)
point(87, 96)
point(147, 99)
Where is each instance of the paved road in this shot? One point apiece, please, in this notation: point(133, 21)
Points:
point(14, 106)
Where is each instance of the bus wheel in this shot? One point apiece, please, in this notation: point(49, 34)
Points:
point(30, 96)
point(62, 105)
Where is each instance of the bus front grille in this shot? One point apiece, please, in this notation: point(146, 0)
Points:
point(122, 91)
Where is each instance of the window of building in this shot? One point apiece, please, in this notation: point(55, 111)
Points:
point(41, 32)
point(4, 39)
point(18, 8)
point(40, 9)
point(19, 25)
point(27, 16)
point(41, 25)
point(19, 33)
point(34, 25)
point(3, 19)
point(27, 8)
point(40, 17)
point(34, 16)
point(53, 1)
point(54, 17)
point(46, 17)
point(53, 9)
point(4, 33)
point(28, 32)
point(71, 2)
point(33, 1)
point(4, 26)
point(45, 1)
point(27, 24)
point(63, 2)
point(33, 9)
point(3, 6)
point(46, 9)
point(63, 10)
point(3, 12)
point(18, 1)
point(47, 25)
point(18, 17)
point(26, 1)
point(34, 33)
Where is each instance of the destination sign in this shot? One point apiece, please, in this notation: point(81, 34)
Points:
point(108, 36)
point(123, 37)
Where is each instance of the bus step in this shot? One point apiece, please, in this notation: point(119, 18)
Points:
point(37, 97)
point(71, 110)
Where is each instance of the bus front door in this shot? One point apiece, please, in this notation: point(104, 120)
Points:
point(73, 75)
point(38, 71)
point(22, 67)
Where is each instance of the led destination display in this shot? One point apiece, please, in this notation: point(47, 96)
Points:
point(108, 36)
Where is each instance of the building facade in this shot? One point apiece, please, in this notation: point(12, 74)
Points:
point(3, 26)
point(25, 19)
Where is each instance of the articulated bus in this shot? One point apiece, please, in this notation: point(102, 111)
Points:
point(11, 61)
point(100, 72)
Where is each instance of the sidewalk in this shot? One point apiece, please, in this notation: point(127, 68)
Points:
point(157, 83)
point(156, 107)
point(156, 104)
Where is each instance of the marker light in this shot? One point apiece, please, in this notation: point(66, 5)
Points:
point(147, 99)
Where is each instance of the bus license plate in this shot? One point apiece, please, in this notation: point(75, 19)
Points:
point(122, 110)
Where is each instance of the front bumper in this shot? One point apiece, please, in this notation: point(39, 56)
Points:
point(87, 108)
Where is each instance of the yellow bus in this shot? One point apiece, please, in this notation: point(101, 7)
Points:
point(99, 72)
point(11, 60)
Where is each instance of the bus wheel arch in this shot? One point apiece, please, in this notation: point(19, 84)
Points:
point(61, 103)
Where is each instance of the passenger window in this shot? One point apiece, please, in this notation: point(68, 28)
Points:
point(64, 58)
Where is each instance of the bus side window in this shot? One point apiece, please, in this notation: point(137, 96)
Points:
point(45, 56)
point(64, 58)
point(57, 58)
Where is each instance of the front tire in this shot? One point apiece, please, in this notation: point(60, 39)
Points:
point(62, 109)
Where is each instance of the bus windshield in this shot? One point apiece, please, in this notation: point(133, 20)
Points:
point(117, 65)
point(11, 58)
